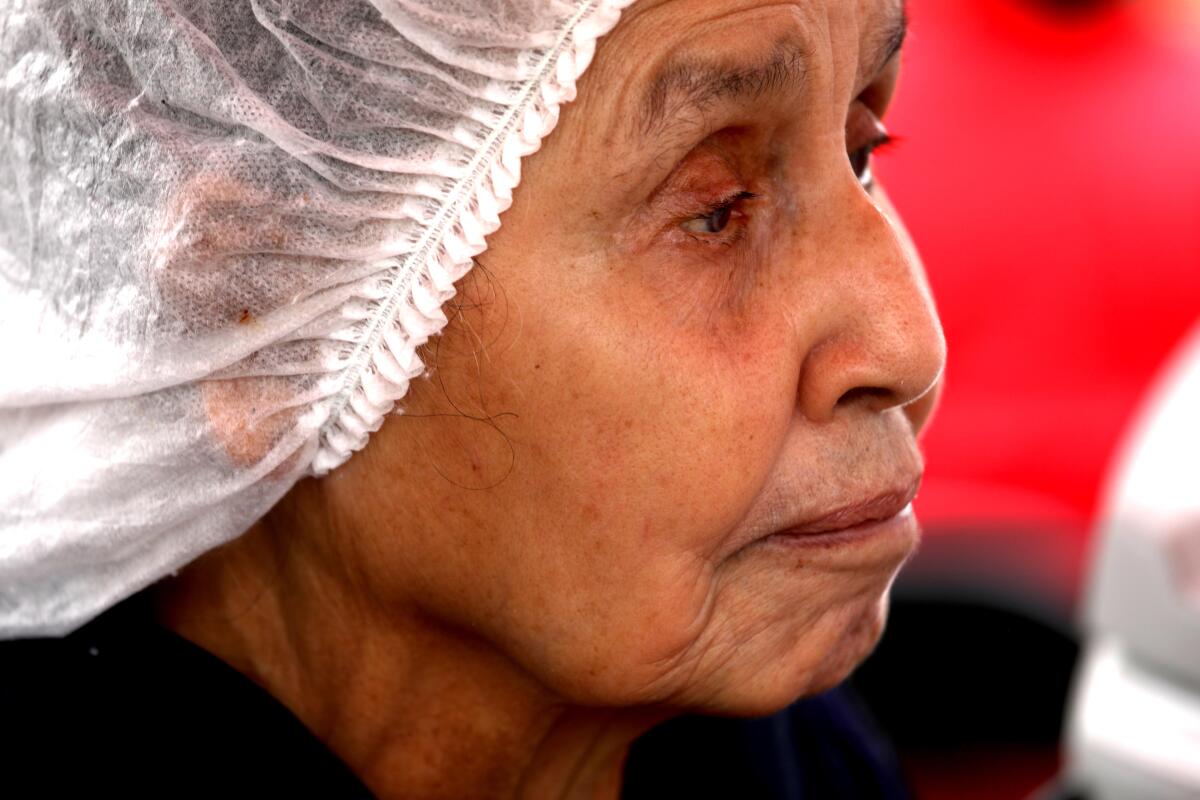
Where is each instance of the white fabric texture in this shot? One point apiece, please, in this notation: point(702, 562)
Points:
point(225, 229)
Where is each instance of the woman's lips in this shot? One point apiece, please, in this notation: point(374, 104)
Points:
point(877, 514)
point(881, 507)
point(902, 525)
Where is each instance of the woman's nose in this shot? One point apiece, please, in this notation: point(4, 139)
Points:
point(881, 345)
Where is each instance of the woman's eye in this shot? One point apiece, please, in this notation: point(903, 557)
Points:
point(715, 220)
point(860, 160)
point(711, 223)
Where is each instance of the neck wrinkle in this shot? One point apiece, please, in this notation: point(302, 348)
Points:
point(415, 708)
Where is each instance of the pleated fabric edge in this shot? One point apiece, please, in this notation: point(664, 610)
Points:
point(401, 308)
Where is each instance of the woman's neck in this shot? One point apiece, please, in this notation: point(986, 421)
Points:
point(415, 708)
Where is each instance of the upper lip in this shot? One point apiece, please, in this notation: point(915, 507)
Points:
point(882, 506)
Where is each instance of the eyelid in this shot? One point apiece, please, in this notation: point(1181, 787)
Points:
point(878, 95)
point(730, 200)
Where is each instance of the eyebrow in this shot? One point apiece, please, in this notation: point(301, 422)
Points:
point(894, 35)
point(691, 84)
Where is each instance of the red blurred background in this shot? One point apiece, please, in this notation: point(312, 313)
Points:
point(1050, 174)
point(1048, 168)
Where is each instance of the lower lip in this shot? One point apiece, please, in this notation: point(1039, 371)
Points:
point(902, 525)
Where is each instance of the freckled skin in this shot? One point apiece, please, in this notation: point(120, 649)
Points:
point(619, 404)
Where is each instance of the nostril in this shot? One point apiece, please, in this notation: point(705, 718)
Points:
point(871, 395)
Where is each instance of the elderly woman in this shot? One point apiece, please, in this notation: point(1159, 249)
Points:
point(658, 442)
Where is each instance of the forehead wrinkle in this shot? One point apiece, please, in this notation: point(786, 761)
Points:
point(698, 85)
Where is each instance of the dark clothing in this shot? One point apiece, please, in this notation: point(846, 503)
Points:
point(822, 748)
point(126, 708)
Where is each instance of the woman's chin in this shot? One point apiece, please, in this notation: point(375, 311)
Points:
point(769, 676)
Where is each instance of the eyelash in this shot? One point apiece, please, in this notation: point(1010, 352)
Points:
point(863, 156)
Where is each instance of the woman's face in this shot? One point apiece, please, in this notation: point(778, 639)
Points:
point(701, 323)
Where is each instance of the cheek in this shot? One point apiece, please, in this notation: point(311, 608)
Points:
point(642, 445)
point(638, 440)
point(673, 429)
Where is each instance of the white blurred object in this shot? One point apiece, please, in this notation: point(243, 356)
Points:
point(1134, 723)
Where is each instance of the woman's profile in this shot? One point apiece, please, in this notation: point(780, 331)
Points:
point(430, 398)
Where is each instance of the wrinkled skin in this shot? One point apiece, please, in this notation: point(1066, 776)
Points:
point(635, 391)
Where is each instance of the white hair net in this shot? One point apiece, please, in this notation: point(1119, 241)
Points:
point(225, 229)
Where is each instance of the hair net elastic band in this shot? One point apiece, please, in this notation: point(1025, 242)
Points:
point(407, 309)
